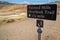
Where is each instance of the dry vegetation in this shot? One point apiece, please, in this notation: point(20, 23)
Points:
point(17, 11)
point(12, 13)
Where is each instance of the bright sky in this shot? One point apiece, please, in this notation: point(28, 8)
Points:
point(29, 1)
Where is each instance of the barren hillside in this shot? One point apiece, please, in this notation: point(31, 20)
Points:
point(12, 9)
point(16, 8)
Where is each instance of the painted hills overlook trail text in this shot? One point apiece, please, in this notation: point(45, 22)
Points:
point(46, 11)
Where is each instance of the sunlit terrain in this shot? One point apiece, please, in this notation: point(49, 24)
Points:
point(14, 24)
point(15, 12)
point(12, 12)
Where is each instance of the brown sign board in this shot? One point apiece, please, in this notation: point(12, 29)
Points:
point(44, 11)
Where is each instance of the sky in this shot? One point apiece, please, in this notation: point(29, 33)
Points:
point(29, 1)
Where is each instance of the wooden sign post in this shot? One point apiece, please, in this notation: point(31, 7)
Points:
point(39, 24)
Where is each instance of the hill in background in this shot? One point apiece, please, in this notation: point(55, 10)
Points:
point(10, 8)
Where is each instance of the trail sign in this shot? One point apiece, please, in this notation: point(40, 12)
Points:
point(45, 11)
point(39, 23)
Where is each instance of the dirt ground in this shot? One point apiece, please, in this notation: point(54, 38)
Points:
point(27, 30)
